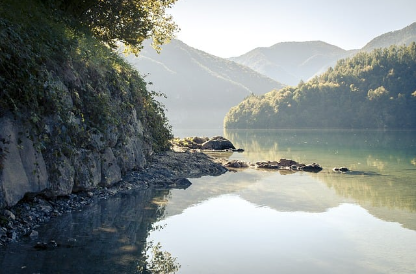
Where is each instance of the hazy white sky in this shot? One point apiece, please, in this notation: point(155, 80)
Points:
point(227, 28)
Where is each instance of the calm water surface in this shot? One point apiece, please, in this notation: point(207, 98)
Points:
point(254, 221)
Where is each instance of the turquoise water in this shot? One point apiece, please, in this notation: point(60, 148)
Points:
point(254, 221)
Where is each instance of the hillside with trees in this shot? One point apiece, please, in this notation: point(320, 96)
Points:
point(200, 88)
point(73, 113)
point(368, 90)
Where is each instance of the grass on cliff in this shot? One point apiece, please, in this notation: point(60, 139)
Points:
point(51, 67)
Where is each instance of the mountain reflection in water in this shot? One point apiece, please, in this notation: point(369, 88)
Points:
point(253, 221)
point(382, 165)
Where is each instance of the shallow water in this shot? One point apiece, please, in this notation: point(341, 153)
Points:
point(254, 221)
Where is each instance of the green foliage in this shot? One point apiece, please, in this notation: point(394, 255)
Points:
point(27, 47)
point(128, 21)
point(369, 90)
point(50, 69)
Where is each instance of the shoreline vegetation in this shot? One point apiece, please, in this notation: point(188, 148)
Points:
point(74, 115)
point(165, 170)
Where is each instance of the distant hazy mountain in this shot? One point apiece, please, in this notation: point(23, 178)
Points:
point(291, 62)
point(200, 87)
point(399, 37)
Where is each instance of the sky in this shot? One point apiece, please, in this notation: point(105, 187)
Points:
point(229, 28)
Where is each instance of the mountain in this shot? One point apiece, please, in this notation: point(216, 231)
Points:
point(291, 62)
point(368, 90)
point(399, 37)
point(200, 87)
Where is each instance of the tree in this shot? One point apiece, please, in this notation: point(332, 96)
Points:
point(377, 93)
point(127, 21)
point(376, 89)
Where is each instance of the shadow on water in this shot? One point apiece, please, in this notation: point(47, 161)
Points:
point(108, 236)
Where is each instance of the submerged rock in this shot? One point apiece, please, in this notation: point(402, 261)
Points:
point(282, 164)
point(236, 164)
point(340, 169)
point(44, 246)
point(268, 165)
point(311, 168)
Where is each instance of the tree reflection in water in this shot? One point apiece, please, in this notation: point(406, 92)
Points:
point(108, 236)
point(159, 261)
point(382, 163)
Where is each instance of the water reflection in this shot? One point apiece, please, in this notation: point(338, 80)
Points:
point(253, 221)
point(107, 237)
point(263, 222)
point(228, 234)
point(383, 181)
point(330, 147)
point(296, 192)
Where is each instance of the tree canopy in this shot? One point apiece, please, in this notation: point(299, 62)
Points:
point(127, 21)
point(369, 90)
point(52, 66)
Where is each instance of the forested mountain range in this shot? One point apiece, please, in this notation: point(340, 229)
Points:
point(368, 90)
point(291, 62)
point(200, 88)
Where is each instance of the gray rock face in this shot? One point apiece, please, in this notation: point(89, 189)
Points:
point(130, 153)
point(104, 160)
point(23, 168)
point(110, 171)
point(62, 174)
point(87, 170)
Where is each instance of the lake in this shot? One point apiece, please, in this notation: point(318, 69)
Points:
point(253, 221)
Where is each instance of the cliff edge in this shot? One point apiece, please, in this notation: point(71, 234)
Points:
point(73, 114)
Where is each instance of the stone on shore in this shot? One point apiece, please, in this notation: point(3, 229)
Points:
point(282, 164)
point(217, 143)
point(340, 169)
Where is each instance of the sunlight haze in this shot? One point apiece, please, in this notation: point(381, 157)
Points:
point(232, 28)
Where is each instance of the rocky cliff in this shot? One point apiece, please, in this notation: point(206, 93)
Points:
point(102, 163)
point(73, 114)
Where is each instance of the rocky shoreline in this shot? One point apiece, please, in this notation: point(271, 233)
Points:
point(188, 158)
point(166, 170)
point(282, 164)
